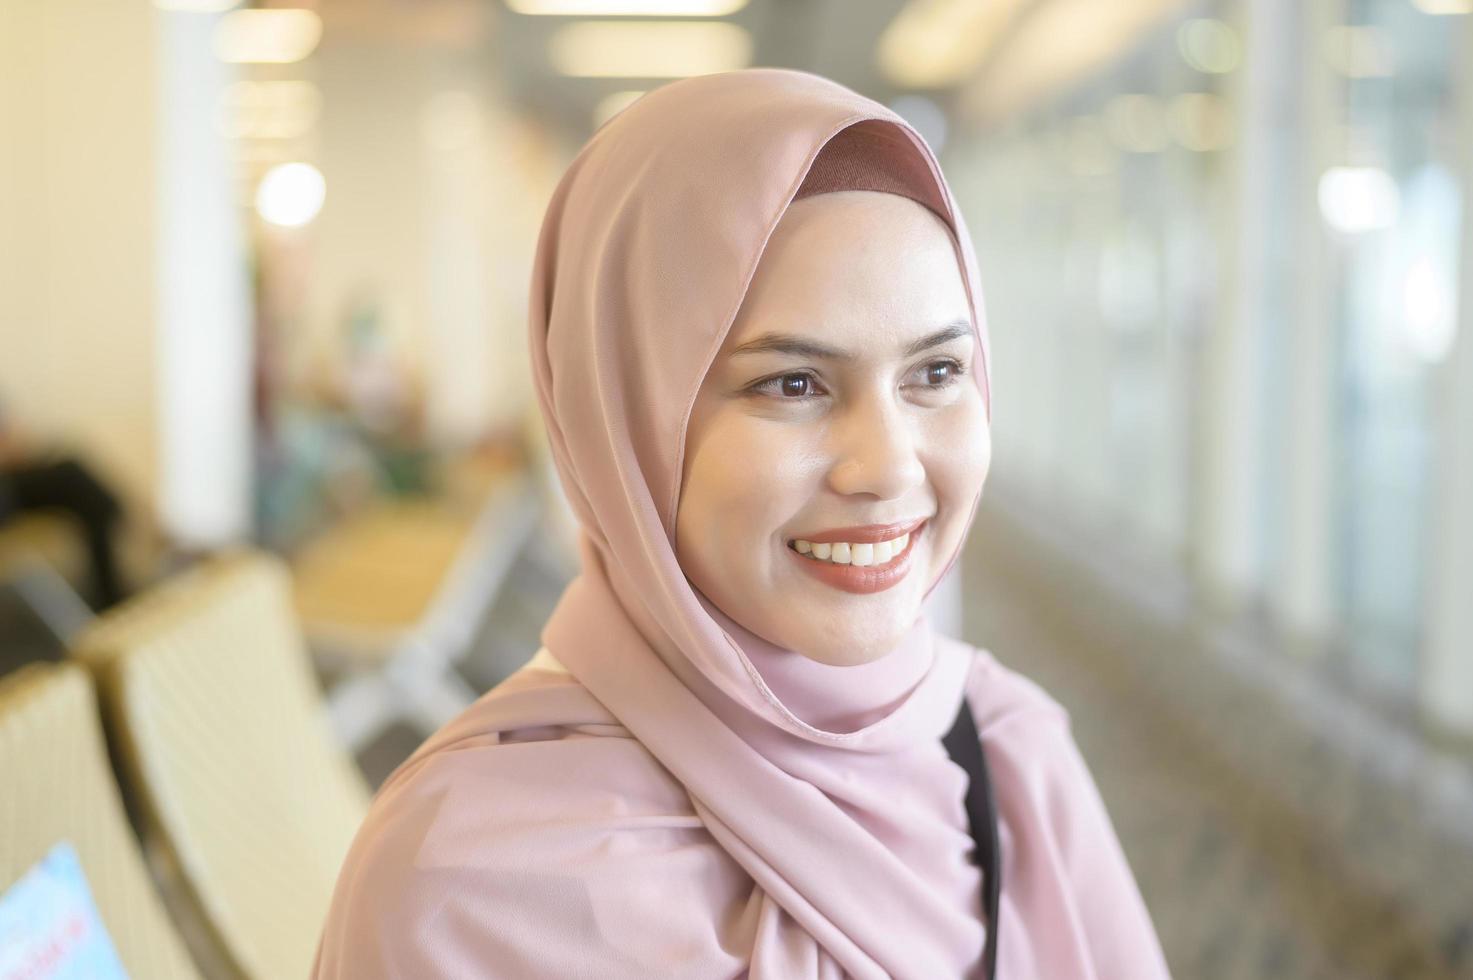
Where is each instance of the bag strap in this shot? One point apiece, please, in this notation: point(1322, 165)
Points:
point(965, 748)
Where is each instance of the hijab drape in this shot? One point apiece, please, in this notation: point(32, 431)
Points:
point(689, 799)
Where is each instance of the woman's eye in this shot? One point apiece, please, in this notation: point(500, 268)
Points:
point(939, 374)
point(803, 385)
point(795, 386)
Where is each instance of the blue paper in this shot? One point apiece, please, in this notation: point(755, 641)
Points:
point(50, 928)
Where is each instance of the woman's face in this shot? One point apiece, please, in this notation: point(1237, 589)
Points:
point(838, 413)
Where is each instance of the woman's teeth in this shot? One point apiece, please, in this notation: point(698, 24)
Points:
point(844, 553)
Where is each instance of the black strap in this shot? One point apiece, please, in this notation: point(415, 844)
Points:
point(965, 748)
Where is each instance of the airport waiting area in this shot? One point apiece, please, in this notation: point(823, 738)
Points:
point(341, 398)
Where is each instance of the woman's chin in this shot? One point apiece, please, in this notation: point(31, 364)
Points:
point(838, 651)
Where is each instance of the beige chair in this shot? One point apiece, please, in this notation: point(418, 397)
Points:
point(220, 727)
point(57, 786)
point(43, 558)
point(391, 597)
point(43, 536)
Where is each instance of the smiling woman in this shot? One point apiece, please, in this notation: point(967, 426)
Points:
point(758, 344)
point(836, 414)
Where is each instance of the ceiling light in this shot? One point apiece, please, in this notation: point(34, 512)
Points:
point(649, 49)
point(1359, 199)
point(1429, 309)
point(1438, 7)
point(291, 194)
point(937, 43)
point(626, 8)
point(278, 35)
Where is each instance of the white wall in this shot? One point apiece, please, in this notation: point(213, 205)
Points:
point(434, 193)
point(204, 356)
point(124, 316)
point(77, 162)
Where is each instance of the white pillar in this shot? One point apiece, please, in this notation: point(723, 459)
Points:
point(1447, 668)
point(1305, 592)
point(204, 352)
point(458, 263)
point(1230, 449)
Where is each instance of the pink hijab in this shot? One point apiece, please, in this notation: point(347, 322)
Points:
point(683, 798)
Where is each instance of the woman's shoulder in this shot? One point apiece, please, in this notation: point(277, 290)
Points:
point(1029, 740)
point(518, 819)
point(476, 805)
point(536, 748)
point(1004, 698)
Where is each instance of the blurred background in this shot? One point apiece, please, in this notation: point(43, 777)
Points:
point(274, 499)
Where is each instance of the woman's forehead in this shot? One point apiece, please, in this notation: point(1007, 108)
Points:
point(844, 215)
point(859, 266)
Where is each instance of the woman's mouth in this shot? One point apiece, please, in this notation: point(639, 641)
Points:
point(860, 567)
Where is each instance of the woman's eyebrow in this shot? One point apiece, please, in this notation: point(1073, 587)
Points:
point(779, 343)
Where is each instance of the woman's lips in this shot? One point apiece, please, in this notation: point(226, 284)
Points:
point(863, 579)
point(867, 534)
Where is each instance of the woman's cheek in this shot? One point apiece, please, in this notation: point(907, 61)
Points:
point(780, 461)
point(979, 455)
point(753, 479)
point(737, 459)
point(959, 445)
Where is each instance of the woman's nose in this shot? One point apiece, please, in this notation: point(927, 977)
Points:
point(875, 452)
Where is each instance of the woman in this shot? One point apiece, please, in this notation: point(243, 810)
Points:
point(758, 344)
